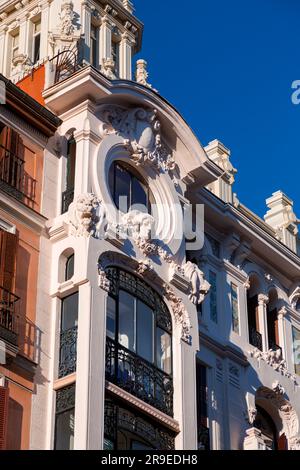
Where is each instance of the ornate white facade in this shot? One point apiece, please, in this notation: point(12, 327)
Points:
point(209, 292)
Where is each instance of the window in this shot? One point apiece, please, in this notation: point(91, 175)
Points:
point(68, 335)
point(15, 45)
point(213, 297)
point(255, 337)
point(69, 267)
point(94, 45)
point(235, 308)
point(202, 405)
point(68, 194)
point(128, 188)
point(36, 42)
point(273, 331)
point(298, 306)
point(4, 402)
point(296, 349)
point(65, 418)
point(139, 340)
point(116, 56)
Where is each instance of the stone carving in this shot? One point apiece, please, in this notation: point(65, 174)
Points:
point(278, 388)
point(141, 131)
point(141, 74)
point(139, 225)
point(250, 415)
point(199, 286)
point(87, 216)
point(275, 360)
point(108, 68)
point(295, 297)
point(180, 313)
point(21, 64)
point(67, 16)
point(294, 443)
point(144, 266)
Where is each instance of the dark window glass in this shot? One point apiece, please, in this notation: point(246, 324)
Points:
point(71, 157)
point(202, 415)
point(164, 351)
point(145, 321)
point(69, 312)
point(139, 194)
point(69, 268)
point(122, 188)
point(36, 53)
point(111, 318)
point(65, 430)
point(127, 320)
point(94, 45)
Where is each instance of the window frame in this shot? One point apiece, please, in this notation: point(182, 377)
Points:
point(36, 34)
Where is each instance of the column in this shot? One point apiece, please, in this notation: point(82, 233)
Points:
point(7, 54)
point(23, 38)
point(45, 7)
point(86, 30)
point(2, 48)
point(83, 367)
point(262, 315)
point(105, 49)
point(126, 56)
point(281, 331)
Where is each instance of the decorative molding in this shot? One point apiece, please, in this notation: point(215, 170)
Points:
point(108, 68)
point(87, 216)
point(250, 415)
point(141, 74)
point(278, 388)
point(64, 382)
point(141, 131)
point(275, 360)
point(199, 286)
point(67, 17)
point(295, 297)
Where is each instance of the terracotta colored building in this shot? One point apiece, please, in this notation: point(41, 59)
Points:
point(25, 127)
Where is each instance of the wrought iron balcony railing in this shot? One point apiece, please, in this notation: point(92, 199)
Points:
point(67, 199)
point(13, 178)
point(255, 338)
point(8, 316)
point(139, 377)
point(67, 352)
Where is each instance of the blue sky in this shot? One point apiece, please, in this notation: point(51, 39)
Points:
point(228, 66)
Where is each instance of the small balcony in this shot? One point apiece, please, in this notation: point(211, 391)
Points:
point(13, 178)
point(8, 316)
point(255, 338)
point(139, 377)
point(67, 352)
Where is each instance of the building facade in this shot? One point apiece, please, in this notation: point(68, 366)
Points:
point(165, 326)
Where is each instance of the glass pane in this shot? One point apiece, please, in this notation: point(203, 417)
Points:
point(64, 432)
point(36, 52)
point(69, 268)
point(69, 312)
point(122, 188)
point(163, 350)
point(126, 320)
point(37, 27)
point(111, 318)
point(145, 318)
point(296, 349)
point(139, 195)
point(235, 309)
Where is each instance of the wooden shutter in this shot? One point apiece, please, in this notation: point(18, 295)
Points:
point(8, 252)
point(4, 398)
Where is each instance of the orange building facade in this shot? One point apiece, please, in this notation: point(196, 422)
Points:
point(25, 129)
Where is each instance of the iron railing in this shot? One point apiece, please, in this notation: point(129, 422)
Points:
point(8, 316)
point(67, 352)
point(67, 199)
point(66, 62)
point(13, 178)
point(139, 377)
point(255, 338)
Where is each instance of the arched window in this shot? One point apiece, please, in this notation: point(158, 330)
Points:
point(298, 306)
point(68, 194)
point(69, 270)
point(266, 425)
point(139, 340)
point(128, 188)
point(272, 320)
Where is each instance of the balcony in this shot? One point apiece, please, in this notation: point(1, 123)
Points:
point(13, 178)
point(139, 377)
point(67, 352)
point(255, 338)
point(8, 316)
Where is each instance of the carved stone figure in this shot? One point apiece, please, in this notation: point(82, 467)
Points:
point(199, 286)
point(87, 216)
point(66, 18)
point(141, 74)
point(139, 225)
point(108, 68)
point(278, 388)
point(250, 415)
point(141, 131)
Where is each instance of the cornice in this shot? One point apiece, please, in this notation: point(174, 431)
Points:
point(223, 350)
point(22, 213)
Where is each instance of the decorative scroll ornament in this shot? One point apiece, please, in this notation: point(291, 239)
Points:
point(141, 131)
point(199, 286)
point(87, 216)
point(180, 313)
point(67, 16)
point(278, 388)
point(250, 415)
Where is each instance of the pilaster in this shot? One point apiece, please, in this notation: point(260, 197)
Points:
point(262, 315)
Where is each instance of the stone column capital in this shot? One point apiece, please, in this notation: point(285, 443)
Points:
point(263, 299)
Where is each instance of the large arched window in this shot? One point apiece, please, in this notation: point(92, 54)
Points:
point(139, 340)
point(128, 188)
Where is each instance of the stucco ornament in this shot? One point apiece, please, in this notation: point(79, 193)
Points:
point(108, 68)
point(180, 313)
point(295, 297)
point(67, 16)
point(275, 360)
point(250, 415)
point(142, 74)
point(141, 131)
point(278, 388)
point(199, 286)
point(87, 216)
point(139, 225)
